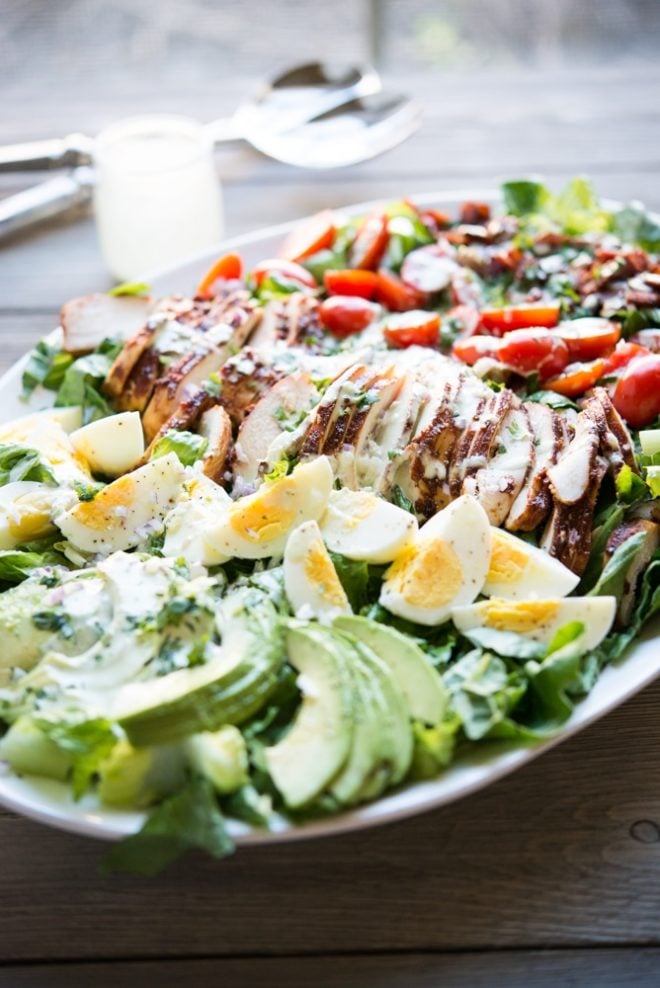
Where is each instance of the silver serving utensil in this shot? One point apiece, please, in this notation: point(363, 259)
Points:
point(288, 101)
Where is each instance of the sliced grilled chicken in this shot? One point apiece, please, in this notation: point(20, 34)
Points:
point(215, 426)
point(571, 476)
point(384, 449)
point(380, 391)
point(139, 386)
point(568, 533)
point(214, 342)
point(89, 320)
point(616, 444)
point(533, 502)
point(642, 558)
point(291, 321)
point(244, 379)
point(275, 415)
point(430, 453)
point(509, 455)
point(126, 361)
point(184, 418)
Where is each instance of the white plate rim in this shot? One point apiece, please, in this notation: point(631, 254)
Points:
point(50, 802)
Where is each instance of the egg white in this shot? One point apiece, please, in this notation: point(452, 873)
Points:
point(541, 619)
point(111, 446)
point(443, 567)
point(310, 579)
point(362, 526)
point(201, 505)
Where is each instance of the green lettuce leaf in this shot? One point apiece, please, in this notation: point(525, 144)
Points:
point(634, 225)
point(190, 819)
point(483, 692)
point(188, 446)
point(82, 380)
point(23, 463)
point(505, 643)
point(134, 288)
point(46, 367)
point(522, 197)
point(17, 564)
point(88, 742)
point(612, 580)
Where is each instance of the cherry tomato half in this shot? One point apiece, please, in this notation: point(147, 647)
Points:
point(528, 350)
point(287, 270)
point(352, 281)
point(637, 393)
point(577, 378)
point(589, 337)
point(344, 315)
point(414, 328)
point(428, 269)
point(370, 243)
point(474, 347)
point(498, 321)
point(623, 353)
point(316, 233)
point(395, 294)
point(226, 268)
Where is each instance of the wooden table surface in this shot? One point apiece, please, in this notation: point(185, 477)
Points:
point(551, 876)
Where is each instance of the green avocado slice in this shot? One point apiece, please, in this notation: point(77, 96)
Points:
point(226, 690)
point(318, 744)
point(420, 684)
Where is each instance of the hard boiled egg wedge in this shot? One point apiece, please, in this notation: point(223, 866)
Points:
point(310, 579)
point(70, 417)
point(520, 571)
point(187, 525)
point(44, 432)
point(541, 619)
point(444, 567)
point(362, 526)
point(127, 511)
point(258, 525)
point(27, 509)
point(113, 445)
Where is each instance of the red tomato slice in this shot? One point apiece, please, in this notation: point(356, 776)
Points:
point(344, 315)
point(228, 267)
point(577, 378)
point(498, 321)
point(416, 327)
point(287, 270)
point(352, 281)
point(370, 243)
point(624, 352)
point(310, 236)
point(428, 269)
point(395, 294)
point(637, 393)
point(474, 347)
point(590, 337)
point(528, 350)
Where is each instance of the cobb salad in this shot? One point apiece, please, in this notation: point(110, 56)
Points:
point(277, 547)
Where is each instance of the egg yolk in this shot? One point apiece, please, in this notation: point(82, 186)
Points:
point(27, 520)
point(521, 617)
point(321, 574)
point(261, 520)
point(507, 561)
point(428, 574)
point(101, 513)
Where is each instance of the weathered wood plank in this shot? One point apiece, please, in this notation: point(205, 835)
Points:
point(564, 853)
point(615, 968)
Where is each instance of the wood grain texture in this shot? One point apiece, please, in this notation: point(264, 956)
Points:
point(566, 852)
point(616, 968)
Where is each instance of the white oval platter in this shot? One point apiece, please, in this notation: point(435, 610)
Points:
point(51, 803)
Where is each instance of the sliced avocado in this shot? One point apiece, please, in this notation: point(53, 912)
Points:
point(228, 689)
point(30, 752)
point(221, 756)
point(368, 768)
point(22, 641)
point(136, 777)
point(422, 687)
point(319, 742)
